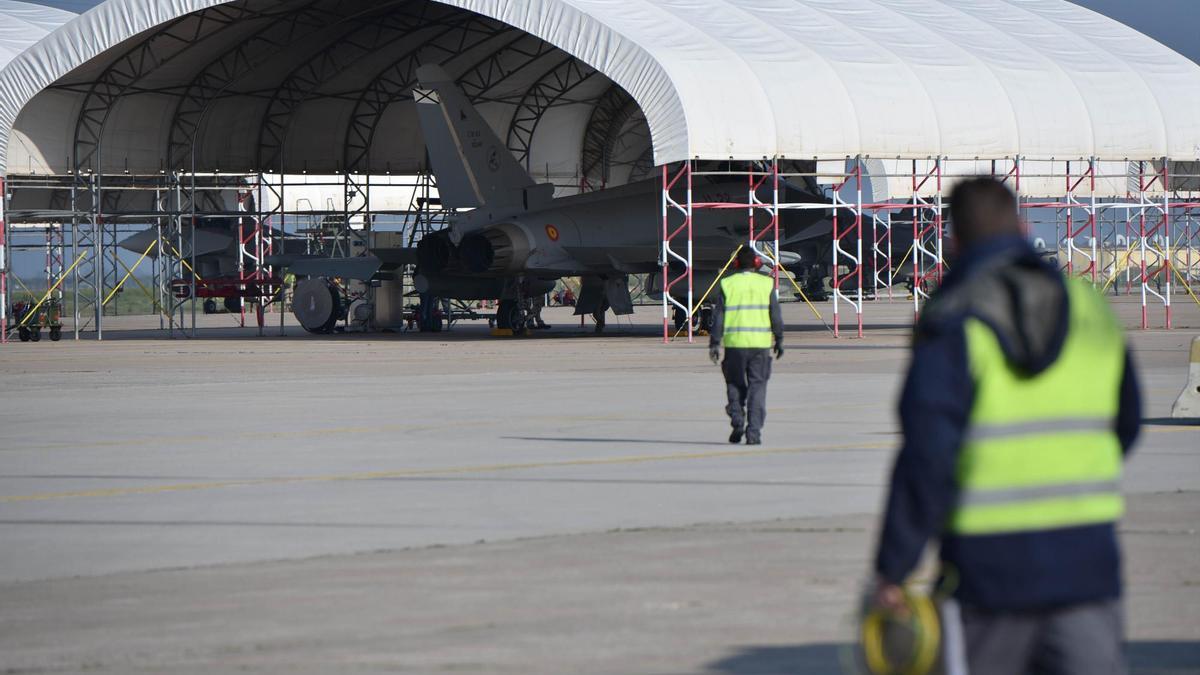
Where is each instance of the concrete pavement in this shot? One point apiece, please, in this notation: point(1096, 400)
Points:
point(261, 471)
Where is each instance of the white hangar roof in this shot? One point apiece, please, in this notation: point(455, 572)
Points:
point(319, 85)
point(23, 23)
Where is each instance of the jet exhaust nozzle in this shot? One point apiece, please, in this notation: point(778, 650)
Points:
point(496, 249)
point(434, 253)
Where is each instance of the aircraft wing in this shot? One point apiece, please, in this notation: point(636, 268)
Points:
point(205, 242)
point(362, 267)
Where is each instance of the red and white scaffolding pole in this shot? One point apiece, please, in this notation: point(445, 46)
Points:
point(1073, 202)
point(921, 252)
point(755, 182)
point(671, 205)
point(1168, 257)
point(1146, 247)
point(3, 262)
point(856, 258)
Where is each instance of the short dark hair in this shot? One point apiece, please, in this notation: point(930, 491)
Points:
point(982, 208)
point(746, 257)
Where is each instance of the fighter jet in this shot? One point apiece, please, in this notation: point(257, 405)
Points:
point(213, 249)
point(510, 239)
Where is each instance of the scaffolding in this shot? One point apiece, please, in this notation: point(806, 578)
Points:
point(1134, 219)
point(82, 234)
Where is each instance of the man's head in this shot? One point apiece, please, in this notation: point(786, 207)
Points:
point(980, 209)
point(747, 259)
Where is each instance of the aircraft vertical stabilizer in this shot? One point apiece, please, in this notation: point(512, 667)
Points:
point(473, 167)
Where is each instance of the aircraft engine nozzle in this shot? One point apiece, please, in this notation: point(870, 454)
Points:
point(503, 248)
point(434, 253)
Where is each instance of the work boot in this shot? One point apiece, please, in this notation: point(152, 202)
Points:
point(736, 435)
point(753, 439)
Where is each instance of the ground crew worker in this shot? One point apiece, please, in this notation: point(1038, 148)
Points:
point(1019, 405)
point(747, 315)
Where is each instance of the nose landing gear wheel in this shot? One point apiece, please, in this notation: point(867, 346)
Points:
point(510, 315)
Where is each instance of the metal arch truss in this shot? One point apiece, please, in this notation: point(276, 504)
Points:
point(384, 25)
point(643, 166)
point(167, 43)
point(396, 82)
point(610, 115)
point(293, 27)
point(543, 95)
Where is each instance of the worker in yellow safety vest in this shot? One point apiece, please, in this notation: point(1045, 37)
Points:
point(1019, 406)
point(747, 318)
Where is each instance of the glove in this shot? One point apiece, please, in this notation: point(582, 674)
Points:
point(778, 351)
point(714, 355)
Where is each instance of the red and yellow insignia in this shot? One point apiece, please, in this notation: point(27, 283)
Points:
point(552, 232)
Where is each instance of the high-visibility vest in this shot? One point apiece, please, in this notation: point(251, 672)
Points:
point(748, 310)
point(1041, 452)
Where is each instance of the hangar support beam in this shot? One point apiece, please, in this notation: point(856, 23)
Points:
point(215, 79)
point(173, 40)
point(544, 94)
point(609, 116)
point(395, 83)
point(384, 24)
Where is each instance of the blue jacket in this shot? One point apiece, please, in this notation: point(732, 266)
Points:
point(1007, 572)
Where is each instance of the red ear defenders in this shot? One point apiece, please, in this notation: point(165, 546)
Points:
point(758, 263)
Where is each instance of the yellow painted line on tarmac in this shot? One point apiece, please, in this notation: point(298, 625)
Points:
point(443, 471)
point(332, 431)
point(1170, 429)
point(250, 435)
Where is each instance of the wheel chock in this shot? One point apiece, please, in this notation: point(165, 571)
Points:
point(1187, 406)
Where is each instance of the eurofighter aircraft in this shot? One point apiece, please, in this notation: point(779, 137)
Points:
point(511, 240)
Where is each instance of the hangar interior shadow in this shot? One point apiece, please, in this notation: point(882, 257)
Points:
point(1144, 657)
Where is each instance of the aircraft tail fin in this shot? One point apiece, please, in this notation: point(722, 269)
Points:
point(473, 167)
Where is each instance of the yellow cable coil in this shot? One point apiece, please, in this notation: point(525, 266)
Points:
point(922, 619)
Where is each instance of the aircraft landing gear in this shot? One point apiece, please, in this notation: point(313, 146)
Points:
point(599, 316)
point(701, 321)
point(511, 316)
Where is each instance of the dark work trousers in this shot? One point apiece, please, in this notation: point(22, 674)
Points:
point(746, 374)
point(1078, 640)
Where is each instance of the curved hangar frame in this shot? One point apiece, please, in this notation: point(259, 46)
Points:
point(122, 104)
point(312, 86)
